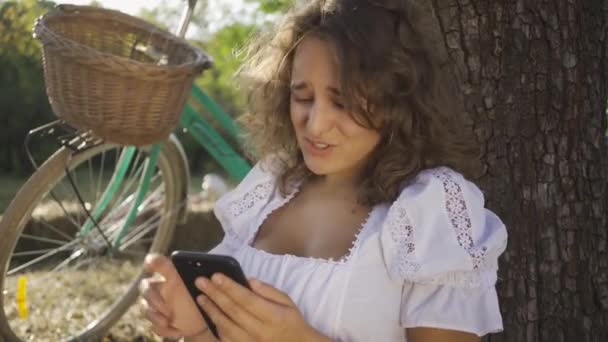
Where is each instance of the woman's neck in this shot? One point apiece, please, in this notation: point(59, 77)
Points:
point(333, 185)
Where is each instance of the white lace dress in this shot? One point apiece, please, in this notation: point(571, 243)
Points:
point(427, 260)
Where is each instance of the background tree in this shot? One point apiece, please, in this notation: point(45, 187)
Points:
point(533, 78)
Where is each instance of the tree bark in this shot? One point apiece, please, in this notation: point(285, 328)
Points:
point(533, 76)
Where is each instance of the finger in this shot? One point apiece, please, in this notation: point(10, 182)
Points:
point(257, 306)
point(227, 329)
point(160, 264)
point(158, 320)
point(167, 332)
point(161, 326)
point(157, 263)
point(270, 293)
point(145, 281)
point(236, 312)
point(152, 297)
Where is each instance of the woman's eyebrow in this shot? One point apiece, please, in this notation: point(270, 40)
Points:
point(299, 85)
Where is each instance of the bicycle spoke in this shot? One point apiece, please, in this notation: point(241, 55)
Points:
point(91, 186)
point(43, 239)
point(62, 188)
point(115, 228)
point(80, 195)
point(132, 178)
point(137, 160)
point(56, 230)
point(28, 253)
point(132, 173)
point(85, 261)
point(42, 257)
point(137, 237)
point(32, 284)
point(102, 168)
point(130, 184)
point(67, 214)
point(147, 203)
point(121, 212)
point(74, 176)
point(140, 231)
point(75, 255)
point(110, 232)
point(147, 223)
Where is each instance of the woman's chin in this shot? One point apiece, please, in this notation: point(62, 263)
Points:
point(316, 168)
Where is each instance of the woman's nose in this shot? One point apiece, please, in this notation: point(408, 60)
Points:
point(319, 120)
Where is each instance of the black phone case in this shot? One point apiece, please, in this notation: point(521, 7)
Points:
point(191, 265)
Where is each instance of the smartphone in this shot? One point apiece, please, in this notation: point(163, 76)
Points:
point(191, 265)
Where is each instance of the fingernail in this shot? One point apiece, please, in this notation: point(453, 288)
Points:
point(217, 278)
point(202, 282)
point(201, 299)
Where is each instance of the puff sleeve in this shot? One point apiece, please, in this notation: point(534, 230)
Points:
point(443, 245)
point(238, 209)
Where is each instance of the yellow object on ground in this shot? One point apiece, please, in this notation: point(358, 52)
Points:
point(22, 297)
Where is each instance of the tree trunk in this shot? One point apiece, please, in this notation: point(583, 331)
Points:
point(533, 76)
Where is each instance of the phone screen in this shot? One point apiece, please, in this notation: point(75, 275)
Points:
point(191, 265)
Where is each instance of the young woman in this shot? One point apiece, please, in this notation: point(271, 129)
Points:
point(357, 223)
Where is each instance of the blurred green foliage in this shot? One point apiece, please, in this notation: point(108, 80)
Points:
point(273, 6)
point(23, 101)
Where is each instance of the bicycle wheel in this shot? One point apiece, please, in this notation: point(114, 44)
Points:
point(77, 285)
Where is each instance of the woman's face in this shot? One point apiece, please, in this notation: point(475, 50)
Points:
point(332, 142)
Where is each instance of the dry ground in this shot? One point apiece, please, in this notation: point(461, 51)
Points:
point(63, 296)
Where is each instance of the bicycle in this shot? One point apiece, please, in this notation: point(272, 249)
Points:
point(128, 210)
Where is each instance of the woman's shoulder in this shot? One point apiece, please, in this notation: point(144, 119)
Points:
point(263, 174)
point(439, 181)
point(437, 192)
point(439, 231)
point(241, 204)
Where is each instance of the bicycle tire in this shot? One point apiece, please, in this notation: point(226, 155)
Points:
point(43, 181)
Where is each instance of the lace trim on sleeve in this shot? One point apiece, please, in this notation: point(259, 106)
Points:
point(260, 192)
point(458, 215)
point(402, 234)
point(232, 212)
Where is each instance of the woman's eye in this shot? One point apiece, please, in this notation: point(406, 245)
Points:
point(303, 100)
point(338, 105)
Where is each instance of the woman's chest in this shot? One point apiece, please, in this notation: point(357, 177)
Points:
point(321, 229)
point(348, 301)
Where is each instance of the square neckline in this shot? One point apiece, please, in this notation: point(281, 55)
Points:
point(281, 202)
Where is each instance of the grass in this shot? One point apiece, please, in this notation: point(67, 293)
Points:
point(64, 302)
point(54, 315)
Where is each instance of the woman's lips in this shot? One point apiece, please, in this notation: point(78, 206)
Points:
point(310, 148)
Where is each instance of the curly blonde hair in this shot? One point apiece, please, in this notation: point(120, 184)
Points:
point(388, 69)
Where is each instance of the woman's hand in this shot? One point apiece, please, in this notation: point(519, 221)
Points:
point(264, 314)
point(169, 306)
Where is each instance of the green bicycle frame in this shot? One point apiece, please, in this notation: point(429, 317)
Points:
point(202, 131)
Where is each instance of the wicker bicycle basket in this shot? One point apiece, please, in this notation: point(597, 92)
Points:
point(114, 75)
